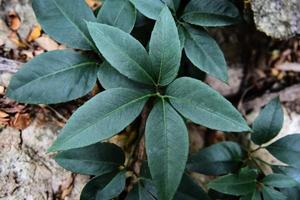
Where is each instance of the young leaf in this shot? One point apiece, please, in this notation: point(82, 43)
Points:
point(290, 171)
point(164, 48)
point(268, 124)
point(97, 159)
point(234, 184)
point(189, 190)
point(64, 20)
point(104, 187)
point(43, 79)
point(203, 105)
point(271, 194)
point(143, 190)
point(203, 51)
point(109, 78)
point(279, 181)
point(211, 13)
point(118, 13)
point(167, 148)
point(218, 159)
point(150, 9)
point(254, 196)
point(100, 118)
point(123, 52)
point(287, 149)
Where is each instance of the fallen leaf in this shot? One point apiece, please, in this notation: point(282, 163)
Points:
point(3, 114)
point(14, 21)
point(47, 43)
point(94, 4)
point(35, 33)
point(22, 121)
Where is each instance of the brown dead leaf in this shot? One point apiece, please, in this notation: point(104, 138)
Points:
point(3, 114)
point(2, 90)
point(15, 39)
point(14, 21)
point(21, 121)
point(47, 43)
point(94, 4)
point(35, 33)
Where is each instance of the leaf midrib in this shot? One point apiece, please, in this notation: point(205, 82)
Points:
point(94, 161)
point(74, 24)
point(67, 68)
point(118, 15)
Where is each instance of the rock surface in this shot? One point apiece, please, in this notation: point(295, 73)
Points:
point(277, 18)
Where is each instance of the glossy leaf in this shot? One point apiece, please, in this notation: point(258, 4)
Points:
point(235, 184)
point(150, 9)
point(203, 105)
point(118, 13)
point(123, 52)
point(104, 187)
point(269, 122)
point(97, 159)
point(109, 78)
point(164, 48)
point(279, 181)
point(167, 148)
point(143, 190)
point(211, 13)
point(64, 20)
point(290, 171)
point(218, 159)
point(203, 51)
point(43, 79)
point(190, 190)
point(287, 149)
point(271, 194)
point(100, 118)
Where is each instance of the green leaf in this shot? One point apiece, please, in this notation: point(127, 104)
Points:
point(271, 194)
point(109, 78)
point(104, 187)
point(97, 159)
point(203, 105)
point(254, 196)
point(164, 48)
point(203, 51)
point(181, 34)
point(287, 149)
point(218, 159)
point(291, 193)
point(172, 4)
point(150, 9)
point(279, 181)
point(118, 13)
point(167, 148)
point(233, 184)
point(143, 190)
point(64, 20)
point(211, 13)
point(54, 77)
point(290, 171)
point(269, 122)
point(100, 118)
point(123, 52)
point(190, 190)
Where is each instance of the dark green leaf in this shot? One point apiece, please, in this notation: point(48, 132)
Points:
point(143, 190)
point(290, 171)
point(172, 4)
point(181, 34)
point(54, 77)
point(118, 13)
point(189, 190)
point(97, 159)
point(211, 13)
point(123, 52)
point(287, 149)
point(204, 52)
point(64, 20)
point(164, 50)
point(291, 193)
point(279, 181)
point(150, 9)
point(104, 187)
point(233, 184)
point(203, 105)
point(100, 118)
point(254, 196)
point(109, 78)
point(167, 148)
point(269, 122)
point(218, 159)
point(271, 194)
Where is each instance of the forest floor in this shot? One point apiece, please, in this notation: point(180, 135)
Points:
point(260, 68)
